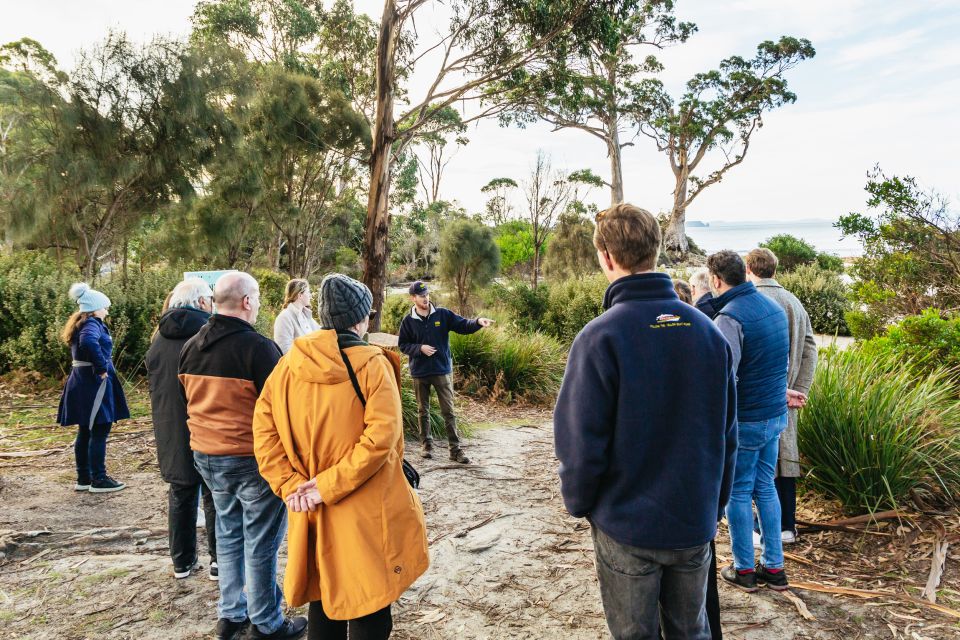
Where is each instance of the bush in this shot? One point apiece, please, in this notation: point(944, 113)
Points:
point(929, 341)
point(823, 295)
point(525, 305)
point(830, 262)
point(791, 251)
point(873, 433)
point(572, 304)
point(134, 313)
point(394, 308)
point(492, 364)
point(469, 259)
point(273, 285)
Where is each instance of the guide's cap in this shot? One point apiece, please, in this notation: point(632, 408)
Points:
point(418, 288)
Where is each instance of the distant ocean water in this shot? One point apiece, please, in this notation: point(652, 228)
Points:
point(744, 236)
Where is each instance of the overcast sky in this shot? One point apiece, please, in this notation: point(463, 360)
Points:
point(884, 88)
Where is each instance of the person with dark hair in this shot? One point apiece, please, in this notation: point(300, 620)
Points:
point(761, 269)
point(756, 328)
point(188, 308)
point(425, 339)
point(328, 434)
point(93, 396)
point(646, 437)
point(683, 290)
point(296, 318)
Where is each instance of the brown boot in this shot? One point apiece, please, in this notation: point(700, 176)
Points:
point(426, 451)
point(458, 456)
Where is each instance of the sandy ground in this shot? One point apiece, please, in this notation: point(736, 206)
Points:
point(507, 561)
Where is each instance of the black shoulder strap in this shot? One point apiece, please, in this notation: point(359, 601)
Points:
point(353, 376)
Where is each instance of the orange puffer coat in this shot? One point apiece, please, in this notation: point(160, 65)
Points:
point(367, 542)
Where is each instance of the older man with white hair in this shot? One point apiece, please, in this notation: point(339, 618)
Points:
point(223, 369)
point(189, 309)
point(702, 294)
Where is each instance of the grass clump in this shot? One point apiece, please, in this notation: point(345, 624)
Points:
point(494, 364)
point(876, 435)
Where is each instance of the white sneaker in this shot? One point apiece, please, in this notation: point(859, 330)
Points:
point(757, 541)
point(788, 537)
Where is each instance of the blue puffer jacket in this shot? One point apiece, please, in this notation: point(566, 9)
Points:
point(433, 330)
point(762, 373)
point(93, 344)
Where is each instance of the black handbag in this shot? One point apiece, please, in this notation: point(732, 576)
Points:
point(408, 471)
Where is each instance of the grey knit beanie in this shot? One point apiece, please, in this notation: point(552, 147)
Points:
point(344, 302)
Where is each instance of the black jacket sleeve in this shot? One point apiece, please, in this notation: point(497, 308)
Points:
point(407, 341)
point(730, 452)
point(459, 324)
point(267, 356)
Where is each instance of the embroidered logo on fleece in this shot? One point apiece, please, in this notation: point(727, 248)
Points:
point(667, 317)
point(669, 321)
point(437, 323)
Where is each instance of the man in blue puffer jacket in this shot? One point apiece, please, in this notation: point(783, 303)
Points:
point(425, 338)
point(646, 434)
point(756, 328)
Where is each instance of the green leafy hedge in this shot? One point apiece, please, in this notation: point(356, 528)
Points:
point(929, 341)
point(560, 309)
point(824, 296)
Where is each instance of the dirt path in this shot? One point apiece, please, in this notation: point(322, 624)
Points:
point(507, 562)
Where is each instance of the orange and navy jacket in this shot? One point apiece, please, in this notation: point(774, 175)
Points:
point(223, 369)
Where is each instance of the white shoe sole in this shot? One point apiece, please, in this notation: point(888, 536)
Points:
point(107, 489)
point(81, 487)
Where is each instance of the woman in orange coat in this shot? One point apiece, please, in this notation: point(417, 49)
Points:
point(356, 537)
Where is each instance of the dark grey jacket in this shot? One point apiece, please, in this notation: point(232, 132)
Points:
point(166, 396)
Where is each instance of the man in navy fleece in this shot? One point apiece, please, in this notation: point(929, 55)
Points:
point(646, 435)
point(425, 337)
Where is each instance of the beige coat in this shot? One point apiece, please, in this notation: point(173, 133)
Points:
point(803, 362)
point(367, 542)
point(290, 325)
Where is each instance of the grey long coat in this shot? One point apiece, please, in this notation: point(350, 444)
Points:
point(803, 362)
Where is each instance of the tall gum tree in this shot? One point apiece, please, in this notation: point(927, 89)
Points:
point(487, 40)
point(591, 84)
point(719, 111)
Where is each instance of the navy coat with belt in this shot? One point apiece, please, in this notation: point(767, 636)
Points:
point(92, 343)
point(167, 400)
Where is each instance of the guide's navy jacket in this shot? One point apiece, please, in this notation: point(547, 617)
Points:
point(646, 421)
point(433, 330)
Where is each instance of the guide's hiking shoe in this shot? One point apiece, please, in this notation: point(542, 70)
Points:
point(106, 485)
point(83, 484)
point(184, 572)
point(227, 630)
point(426, 451)
point(776, 580)
point(743, 580)
point(459, 456)
point(291, 629)
point(214, 571)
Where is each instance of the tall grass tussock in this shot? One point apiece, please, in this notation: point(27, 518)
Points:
point(875, 435)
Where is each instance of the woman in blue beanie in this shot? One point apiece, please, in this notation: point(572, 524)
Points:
point(93, 396)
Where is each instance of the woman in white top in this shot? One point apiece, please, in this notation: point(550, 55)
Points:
point(296, 319)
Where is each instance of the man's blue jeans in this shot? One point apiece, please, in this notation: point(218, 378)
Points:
point(753, 483)
point(251, 523)
point(646, 590)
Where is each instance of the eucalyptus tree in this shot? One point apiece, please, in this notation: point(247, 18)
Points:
point(591, 84)
point(719, 112)
point(499, 208)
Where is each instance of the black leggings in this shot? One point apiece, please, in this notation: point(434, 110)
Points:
point(376, 626)
point(787, 492)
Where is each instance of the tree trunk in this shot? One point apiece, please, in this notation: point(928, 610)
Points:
point(376, 247)
point(675, 239)
point(536, 265)
point(616, 167)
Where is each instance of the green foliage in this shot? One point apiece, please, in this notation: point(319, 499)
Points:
point(574, 303)
point(911, 257)
point(34, 307)
point(395, 307)
point(824, 296)
point(791, 251)
point(873, 433)
point(571, 253)
point(929, 341)
point(829, 262)
point(273, 284)
point(525, 305)
point(469, 258)
point(515, 240)
point(497, 365)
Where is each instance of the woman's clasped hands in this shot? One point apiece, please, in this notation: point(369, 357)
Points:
point(306, 497)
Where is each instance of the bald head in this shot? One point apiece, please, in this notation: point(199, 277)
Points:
point(237, 294)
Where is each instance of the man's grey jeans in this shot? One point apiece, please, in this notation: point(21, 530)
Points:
point(644, 590)
point(444, 387)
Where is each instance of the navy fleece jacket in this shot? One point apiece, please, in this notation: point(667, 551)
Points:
point(433, 330)
point(646, 422)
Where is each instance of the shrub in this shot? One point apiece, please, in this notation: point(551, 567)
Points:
point(791, 251)
point(928, 340)
point(571, 253)
point(273, 284)
point(492, 364)
point(823, 295)
point(572, 304)
point(134, 313)
point(394, 308)
point(469, 258)
point(873, 433)
point(830, 262)
point(525, 305)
